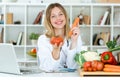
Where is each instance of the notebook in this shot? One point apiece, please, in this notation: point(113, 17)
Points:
point(8, 61)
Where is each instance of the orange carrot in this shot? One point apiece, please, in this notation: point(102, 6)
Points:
point(75, 23)
point(111, 70)
point(112, 66)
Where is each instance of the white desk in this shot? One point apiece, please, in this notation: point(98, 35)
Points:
point(70, 74)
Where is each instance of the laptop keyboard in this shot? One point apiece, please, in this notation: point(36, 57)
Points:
point(30, 70)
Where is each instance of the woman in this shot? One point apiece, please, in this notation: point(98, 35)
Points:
point(50, 56)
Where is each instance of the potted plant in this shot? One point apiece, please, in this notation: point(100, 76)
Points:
point(34, 37)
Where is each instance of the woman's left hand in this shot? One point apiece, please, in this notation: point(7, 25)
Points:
point(76, 33)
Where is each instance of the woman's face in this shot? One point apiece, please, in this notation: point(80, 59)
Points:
point(57, 18)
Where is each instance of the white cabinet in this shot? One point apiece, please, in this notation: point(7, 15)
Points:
point(27, 13)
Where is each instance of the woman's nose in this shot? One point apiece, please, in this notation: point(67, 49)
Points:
point(58, 17)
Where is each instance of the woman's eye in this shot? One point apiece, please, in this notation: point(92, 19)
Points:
point(52, 16)
point(61, 14)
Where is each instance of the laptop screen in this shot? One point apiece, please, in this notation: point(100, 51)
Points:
point(8, 60)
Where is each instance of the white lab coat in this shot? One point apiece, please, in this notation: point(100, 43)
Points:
point(45, 59)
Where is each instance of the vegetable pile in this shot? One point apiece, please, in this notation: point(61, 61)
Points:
point(106, 61)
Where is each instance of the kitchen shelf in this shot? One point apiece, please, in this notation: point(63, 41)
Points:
point(26, 13)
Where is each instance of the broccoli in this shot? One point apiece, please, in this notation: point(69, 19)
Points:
point(112, 46)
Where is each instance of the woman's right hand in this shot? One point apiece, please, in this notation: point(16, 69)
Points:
point(56, 50)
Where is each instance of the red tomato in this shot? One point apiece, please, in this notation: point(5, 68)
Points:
point(89, 68)
point(94, 69)
point(85, 69)
point(33, 50)
point(87, 64)
point(100, 66)
point(94, 63)
point(57, 40)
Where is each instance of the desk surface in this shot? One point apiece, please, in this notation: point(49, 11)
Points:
point(70, 74)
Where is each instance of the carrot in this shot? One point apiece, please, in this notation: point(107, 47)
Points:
point(111, 69)
point(75, 23)
point(111, 66)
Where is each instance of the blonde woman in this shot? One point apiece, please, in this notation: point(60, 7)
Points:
point(52, 57)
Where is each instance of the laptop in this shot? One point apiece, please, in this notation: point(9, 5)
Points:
point(8, 61)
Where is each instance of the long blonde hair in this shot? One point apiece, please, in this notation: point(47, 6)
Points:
point(50, 31)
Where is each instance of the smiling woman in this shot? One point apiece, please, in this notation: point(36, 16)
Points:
point(58, 52)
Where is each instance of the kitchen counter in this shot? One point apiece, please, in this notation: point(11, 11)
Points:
point(44, 74)
point(33, 65)
point(68, 74)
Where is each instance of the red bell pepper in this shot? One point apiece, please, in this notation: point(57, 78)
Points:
point(107, 57)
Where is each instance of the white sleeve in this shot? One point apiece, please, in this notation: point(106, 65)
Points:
point(71, 54)
point(45, 60)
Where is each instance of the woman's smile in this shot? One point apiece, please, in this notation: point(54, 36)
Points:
point(59, 22)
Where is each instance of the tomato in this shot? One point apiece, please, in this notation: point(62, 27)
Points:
point(87, 64)
point(94, 63)
point(89, 68)
point(33, 50)
point(85, 69)
point(56, 39)
point(100, 66)
point(94, 69)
